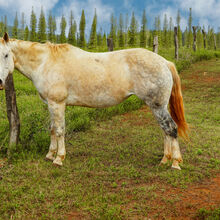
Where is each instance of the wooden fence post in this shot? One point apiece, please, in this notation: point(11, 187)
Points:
point(12, 111)
point(194, 38)
point(204, 38)
point(176, 44)
point(110, 44)
point(155, 45)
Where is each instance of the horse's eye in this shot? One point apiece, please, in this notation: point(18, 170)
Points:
point(6, 55)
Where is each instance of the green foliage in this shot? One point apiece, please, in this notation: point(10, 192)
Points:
point(93, 33)
point(72, 30)
point(82, 26)
point(26, 33)
point(179, 32)
point(143, 34)
point(63, 30)
point(165, 32)
point(190, 35)
point(213, 214)
point(33, 25)
point(42, 37)
point(15, 27)
point(132, 32)
point(113, 30)
point(121, 38)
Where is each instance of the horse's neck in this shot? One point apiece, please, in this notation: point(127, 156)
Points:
point(27, 56)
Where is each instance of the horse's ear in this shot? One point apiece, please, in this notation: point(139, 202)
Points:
point(6, 37)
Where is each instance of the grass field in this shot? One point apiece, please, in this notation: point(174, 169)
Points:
point(111, 170)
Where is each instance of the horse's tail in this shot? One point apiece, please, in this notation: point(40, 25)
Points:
point(176, 103)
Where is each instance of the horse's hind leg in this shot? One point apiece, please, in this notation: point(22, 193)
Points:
point(171, 145)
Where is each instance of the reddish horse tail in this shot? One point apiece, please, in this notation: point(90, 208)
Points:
point(176, 103)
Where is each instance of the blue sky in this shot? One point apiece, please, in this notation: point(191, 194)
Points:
point(205, 12)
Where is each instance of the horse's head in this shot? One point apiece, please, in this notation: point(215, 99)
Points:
point(6, 60)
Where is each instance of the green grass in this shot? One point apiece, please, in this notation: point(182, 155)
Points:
point(111, 170)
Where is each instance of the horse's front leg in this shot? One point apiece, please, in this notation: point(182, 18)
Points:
point(57, 112)
point(53, 145)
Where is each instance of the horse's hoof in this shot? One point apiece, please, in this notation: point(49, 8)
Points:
point(163, 161)
point(57, 163)
point(176, 167)
point(49, 158)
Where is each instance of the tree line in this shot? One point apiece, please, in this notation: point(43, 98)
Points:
point(125, 32)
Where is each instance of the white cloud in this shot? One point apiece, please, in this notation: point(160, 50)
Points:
point(103, 12)
point(207, 12)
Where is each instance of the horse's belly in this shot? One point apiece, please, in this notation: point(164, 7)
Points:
point(96, 100)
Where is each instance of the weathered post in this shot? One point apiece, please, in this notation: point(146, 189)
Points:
point(194, 38)
point(12, 110)
point(204, 38)
point(155, 45)
point(176, 44)
point(110, 44)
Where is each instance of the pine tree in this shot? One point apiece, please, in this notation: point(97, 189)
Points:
point(93, 34)
point(63, 30)
point(99, 38)
point(1, 27)
point(15, 27)
point(157, 27)
point(82, 26)
point(199, 41)
point(190, 35)
point(132, 32)
point(26, 33)
point(143, 35)
point(165, 31)
point(218, 38)
point(185, 37)
point(50, 27)
point(42, 37)
point(126, 30)
point(210, 38)
point(171, 33)
point(179, 32)
point(121, 39)
point(5, 24)
point(54, 25)
point(104, 41)
point(113, 30)
point(33, 23)
point(22, 26)
point(72, 30)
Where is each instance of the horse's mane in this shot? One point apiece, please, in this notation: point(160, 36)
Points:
point(57, 49)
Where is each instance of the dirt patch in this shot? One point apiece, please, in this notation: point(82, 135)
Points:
point(175, 203)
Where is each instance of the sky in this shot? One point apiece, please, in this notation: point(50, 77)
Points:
point(205, 12)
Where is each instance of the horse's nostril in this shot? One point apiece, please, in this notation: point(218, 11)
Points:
point(0, 81)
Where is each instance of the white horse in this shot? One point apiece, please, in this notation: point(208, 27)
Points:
point(66, 75)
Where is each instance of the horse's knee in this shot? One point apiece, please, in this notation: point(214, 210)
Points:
point(57, 130)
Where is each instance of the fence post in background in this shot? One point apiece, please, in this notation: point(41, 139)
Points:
point(176, 44)
point(155, 45)
point(12, 111)
point(214, 42)
point(110, 44)
point(204, 38)
point(194, 38)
